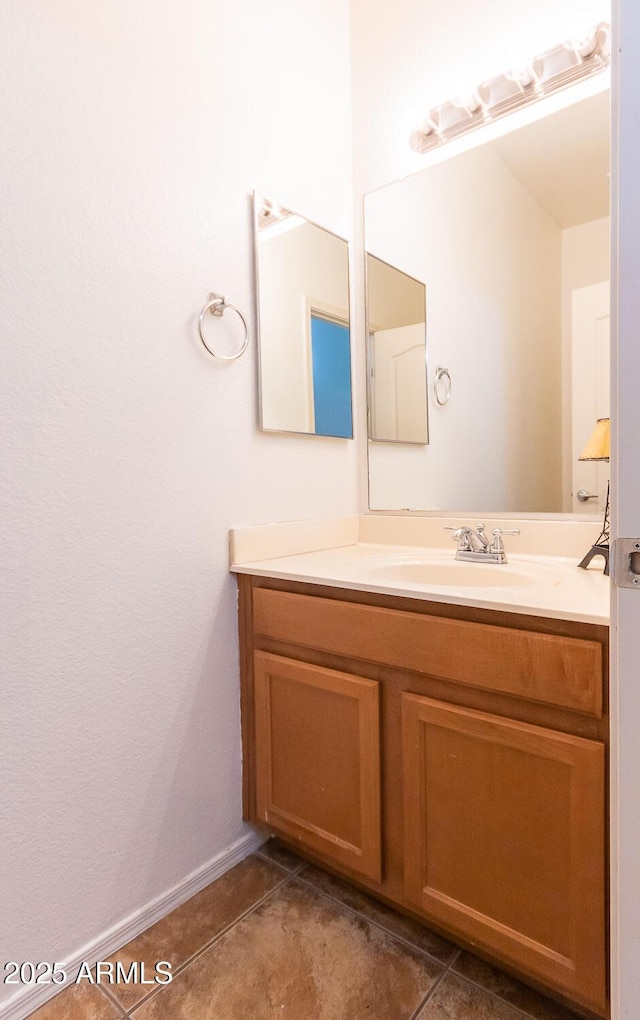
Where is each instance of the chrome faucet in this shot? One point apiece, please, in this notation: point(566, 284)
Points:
point(475, 545)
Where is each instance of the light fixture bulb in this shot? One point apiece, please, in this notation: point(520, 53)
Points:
point(523, 76)
point(586, 45)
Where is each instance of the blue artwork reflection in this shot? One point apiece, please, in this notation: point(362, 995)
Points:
point(331, 360)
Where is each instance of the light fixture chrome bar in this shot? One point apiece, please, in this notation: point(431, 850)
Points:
point(551, 71)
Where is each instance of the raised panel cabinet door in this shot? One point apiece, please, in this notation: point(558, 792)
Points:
point(505, 840)
point(317, 735)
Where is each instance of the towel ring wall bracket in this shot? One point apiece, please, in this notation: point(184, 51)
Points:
point(216, 305)
point(442, 386)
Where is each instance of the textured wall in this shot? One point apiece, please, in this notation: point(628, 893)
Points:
point(133, 133)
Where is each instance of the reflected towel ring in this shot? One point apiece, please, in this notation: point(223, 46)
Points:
point(216, 306)
point(442, 386)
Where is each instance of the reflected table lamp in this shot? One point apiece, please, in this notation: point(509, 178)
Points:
point(598, 448)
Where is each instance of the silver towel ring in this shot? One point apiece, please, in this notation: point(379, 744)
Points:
point(442, 386)
point(216, 305)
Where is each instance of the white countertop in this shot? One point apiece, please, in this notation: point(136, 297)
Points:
point(536, 585)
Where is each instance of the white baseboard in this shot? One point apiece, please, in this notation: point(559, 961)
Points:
point(31, 997)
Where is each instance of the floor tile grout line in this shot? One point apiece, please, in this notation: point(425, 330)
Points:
point(289, 875)
point(111, 997)
point(298, 875)
point(283, 867)
point(203, 949)
point(494, 995)
point(377, 924)
point(456, 956)
point(446, 968)
point(483, 988)
point(436, 984)
point(65, 987)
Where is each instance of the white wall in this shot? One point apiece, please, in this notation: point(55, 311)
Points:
point(393, 298)
point(586, 259)
point(490, 257)
point(132, 136)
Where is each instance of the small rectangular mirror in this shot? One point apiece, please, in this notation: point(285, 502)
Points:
point(302, 278)
point(397, 355)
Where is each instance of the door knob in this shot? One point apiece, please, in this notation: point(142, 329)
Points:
point(584, 496)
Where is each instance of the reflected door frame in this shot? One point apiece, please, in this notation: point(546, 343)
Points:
point(375, 401)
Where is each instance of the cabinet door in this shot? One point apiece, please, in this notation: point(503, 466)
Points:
point(505, 840)
point(318, 759)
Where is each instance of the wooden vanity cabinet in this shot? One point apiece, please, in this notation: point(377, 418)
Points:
point(450, 761)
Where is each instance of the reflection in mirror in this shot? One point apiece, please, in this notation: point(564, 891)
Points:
point(302, 275)
point(396, 350)
point(512, 240)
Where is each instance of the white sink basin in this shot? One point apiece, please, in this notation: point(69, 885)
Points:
point(455, 574)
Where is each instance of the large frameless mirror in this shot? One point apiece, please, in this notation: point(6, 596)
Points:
point(512, 240)
point(396, 354)
point(302, 275)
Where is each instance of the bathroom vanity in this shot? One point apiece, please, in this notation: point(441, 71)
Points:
point(444, 754)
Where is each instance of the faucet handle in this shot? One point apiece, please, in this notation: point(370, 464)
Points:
point(497, 545)
point(460, 535)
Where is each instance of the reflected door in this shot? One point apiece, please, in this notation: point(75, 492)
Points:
point(399, 389)
point(590, 329)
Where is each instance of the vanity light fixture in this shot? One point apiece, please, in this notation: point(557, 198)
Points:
point(598, 449)
point(548, 73)
point(269, 213)
point(274, 218)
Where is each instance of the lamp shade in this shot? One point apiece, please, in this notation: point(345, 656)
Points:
point(598, 447)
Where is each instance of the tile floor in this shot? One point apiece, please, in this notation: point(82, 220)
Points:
point(275, 937)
